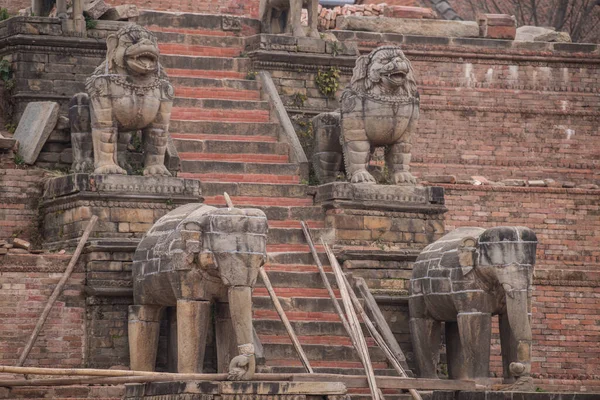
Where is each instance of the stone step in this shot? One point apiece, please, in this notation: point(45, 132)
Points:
point(299, 280)
point(247, 178)
point(197, 92)
point(220, 115)
point(321, 352)
point(331, 370)
point(312, 340)
point(197, 50)
point(204, 39)
point(204, 73)
point(203, 24)
point(297, 254)
point(194, 63)
point(223, 105)
point(293, 236)
point(214, 84)
point(210, 189)
point(346, 367)
point(231, 147)
point(223, 138)
point(303, 328)
point(216, 167)
point(307, 304)
point(229, 129)
point(244, 157)
point(258, 201)
point(159, 31)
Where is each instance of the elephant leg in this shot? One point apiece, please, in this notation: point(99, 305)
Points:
point(426, 339)
point(242, 367)
point(193, 318)
point(143, 330)
point(475, 331)
point(457, 368)
point(172, 339)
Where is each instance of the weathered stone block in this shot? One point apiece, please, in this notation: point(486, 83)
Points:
point(36, 124)
point(405, 26)
point(121, 13)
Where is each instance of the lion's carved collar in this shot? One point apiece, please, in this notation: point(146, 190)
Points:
point(381, 98)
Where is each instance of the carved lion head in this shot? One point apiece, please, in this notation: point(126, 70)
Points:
point(133, 50)
point(386, 69)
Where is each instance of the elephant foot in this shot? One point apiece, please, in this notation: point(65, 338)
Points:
point(523, 384)
point(110, 169)
point(314, 33)
point(156, 170)
point(404, 178)
point(362, 177)
point(241, 368)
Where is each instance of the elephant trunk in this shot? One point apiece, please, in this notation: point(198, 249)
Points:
point(518, 319)
point(243, 366)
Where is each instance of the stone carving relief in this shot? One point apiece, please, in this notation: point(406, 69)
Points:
point(284, 16)
point(194, 256)
point(126, 93)
point(379, 108)
point(463, 279)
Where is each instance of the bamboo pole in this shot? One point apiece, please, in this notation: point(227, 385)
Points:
point(355, 325)
point(285, 320)
point(57, 291)
point(379, 339)
point(334, 299)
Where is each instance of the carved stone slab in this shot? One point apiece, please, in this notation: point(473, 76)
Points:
point(235, 390)
point(130, 185)
point(386, 196)
point(35, 126)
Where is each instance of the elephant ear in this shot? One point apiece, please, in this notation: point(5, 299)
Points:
point(467, 255)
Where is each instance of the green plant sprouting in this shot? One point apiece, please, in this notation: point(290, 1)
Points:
point(328, 81)
point(298, 99)
point(90, 23)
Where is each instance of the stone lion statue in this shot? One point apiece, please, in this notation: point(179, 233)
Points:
point(128, 92)
point(380, 107)
point(284, 16)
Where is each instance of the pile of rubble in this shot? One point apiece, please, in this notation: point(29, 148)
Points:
point(328, 16)
point(481, 180)
point(97, 10)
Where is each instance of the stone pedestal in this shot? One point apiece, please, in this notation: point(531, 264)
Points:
point(378, 232)
point(197, 390)
point(126, 206)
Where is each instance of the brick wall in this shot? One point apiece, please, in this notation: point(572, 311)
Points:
point(566, 298)
point(19, 193)
point(491, 108)
point(27, 281)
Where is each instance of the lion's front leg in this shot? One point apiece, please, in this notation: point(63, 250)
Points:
point(398, 162)
point(104, 129)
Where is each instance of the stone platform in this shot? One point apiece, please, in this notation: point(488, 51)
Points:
point(126, 206)
point(196, 390)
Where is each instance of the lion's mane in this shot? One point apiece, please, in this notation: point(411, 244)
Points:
point(364, 79)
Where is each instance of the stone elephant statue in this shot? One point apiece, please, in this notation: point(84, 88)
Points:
point(463, 279)
point(284, 16)
point(191, 257)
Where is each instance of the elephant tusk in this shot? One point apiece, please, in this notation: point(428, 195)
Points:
point(228, 200)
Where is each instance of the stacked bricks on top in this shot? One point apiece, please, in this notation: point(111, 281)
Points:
point(227, 137)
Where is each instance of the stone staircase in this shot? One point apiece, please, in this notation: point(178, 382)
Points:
point(227, 137)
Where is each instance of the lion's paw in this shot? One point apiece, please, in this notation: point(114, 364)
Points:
point(156, 170)
point(362, 177)
point(404, 178)
point(110, 169)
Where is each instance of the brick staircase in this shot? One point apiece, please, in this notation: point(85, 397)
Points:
point(227, 137)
